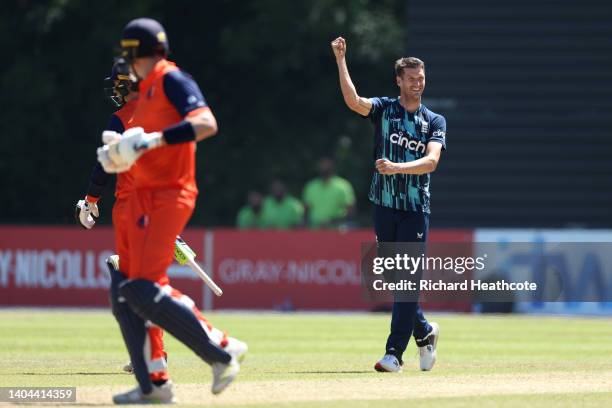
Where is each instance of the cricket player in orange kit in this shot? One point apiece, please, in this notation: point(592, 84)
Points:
point(123, 93)
point(170, 117)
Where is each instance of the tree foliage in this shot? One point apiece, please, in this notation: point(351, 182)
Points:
point(265, 67)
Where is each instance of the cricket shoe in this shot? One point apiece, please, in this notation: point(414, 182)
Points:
point(388, 364)
point(427, 348)
point(236, 348)
point(224, 374)
point(162, 394)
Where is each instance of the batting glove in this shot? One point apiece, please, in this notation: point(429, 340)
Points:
point(86, 213)
point(119, 155)
point(110, 136)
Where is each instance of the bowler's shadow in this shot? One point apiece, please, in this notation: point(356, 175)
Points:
point(331, 372)
point(78, 373)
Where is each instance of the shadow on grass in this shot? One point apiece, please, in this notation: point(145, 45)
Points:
point(79, 373)
point(52, 404)
point(331, 372)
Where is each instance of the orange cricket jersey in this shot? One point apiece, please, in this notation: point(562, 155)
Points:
point(125, 180)
point(169, 166)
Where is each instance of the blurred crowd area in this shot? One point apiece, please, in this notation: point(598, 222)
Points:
point(326, 202)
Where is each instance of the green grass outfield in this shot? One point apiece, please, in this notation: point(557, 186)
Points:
point(326, 360)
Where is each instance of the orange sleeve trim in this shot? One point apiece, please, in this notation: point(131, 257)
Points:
point(197, 111)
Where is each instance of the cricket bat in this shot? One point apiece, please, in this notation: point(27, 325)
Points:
point(184, 255)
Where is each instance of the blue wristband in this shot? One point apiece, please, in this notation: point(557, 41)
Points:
point(180, 133)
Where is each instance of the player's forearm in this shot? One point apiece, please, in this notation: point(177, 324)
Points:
point(204, 127)
point(362, 106)
point(349, 93)
point(420, 166)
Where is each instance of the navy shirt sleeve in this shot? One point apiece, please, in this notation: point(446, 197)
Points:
point(438, 130)
point(114, 123)
point(99, 178)
point(378, 106)
point(183, 92)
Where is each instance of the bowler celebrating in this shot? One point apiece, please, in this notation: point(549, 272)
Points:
point(408, 140)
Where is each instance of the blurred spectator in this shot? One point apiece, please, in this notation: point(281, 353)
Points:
point(250, 216)
point(329, 199)
point(281, 210)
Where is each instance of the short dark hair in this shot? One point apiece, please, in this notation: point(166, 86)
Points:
point(407, 62)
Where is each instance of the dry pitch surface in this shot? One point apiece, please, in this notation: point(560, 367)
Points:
point(325, 360)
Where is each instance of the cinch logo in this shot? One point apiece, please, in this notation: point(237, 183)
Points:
point(400, 139)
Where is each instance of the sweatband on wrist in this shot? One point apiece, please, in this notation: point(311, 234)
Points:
point(91, 199)
point(180, 133)
point(97, 181)
point(94, 191)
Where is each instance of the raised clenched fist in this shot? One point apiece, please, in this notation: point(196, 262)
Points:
point(339, 47)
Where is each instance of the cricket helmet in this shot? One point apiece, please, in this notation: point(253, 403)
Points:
point(144, 37)
point(119, 83)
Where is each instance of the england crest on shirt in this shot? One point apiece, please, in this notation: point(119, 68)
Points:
point(424, 127)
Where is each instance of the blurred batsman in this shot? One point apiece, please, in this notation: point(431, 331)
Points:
point(408, 140)
point(123, 93)
point(158, 151)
